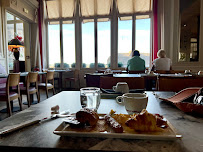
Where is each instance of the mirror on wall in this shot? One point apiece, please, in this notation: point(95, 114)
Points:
point(189, 30)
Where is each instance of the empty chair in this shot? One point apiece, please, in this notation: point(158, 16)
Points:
point(49, 83)
point(133, 82)
point(31, 87)
point(93, 80)
point(8, 95)
point(73, 79)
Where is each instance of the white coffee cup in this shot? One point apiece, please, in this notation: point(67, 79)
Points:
point(134, 102)
point(121, 87)
point(200, 73)
point(187, 71)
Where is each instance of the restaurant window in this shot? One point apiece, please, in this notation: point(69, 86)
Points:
point(142, 38)
point(54, 44)
point(104, 52)
point(124, 41)
point(15, 27)
point(68, 45)
point(189, 31)
point(88, 45)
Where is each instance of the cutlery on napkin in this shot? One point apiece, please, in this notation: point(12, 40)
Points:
point(32, 122)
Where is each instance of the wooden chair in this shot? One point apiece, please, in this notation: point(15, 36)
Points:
point(8, 95)
point(93, 80)
point(176, 84)
point(31, 87)
point(73, 79)
point(46, 85)
point(133, 82)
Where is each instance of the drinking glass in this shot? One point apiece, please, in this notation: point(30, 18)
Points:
point(90, 97)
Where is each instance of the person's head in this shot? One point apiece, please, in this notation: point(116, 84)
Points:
point(136, 53)
point(161, 54)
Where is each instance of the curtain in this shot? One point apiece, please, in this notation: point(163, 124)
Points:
point(91, 8)
point(60, 9)
point(42, 15)
point(134, 6)
point(155, 30)
point(35, 47)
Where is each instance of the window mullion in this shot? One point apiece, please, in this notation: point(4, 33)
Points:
point(133, 32)
point(96, 43)
point(61, 42)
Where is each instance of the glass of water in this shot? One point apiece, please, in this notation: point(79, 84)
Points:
point(90, 98)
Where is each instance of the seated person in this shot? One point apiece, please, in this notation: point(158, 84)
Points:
point(162, 62)
point(136, 63)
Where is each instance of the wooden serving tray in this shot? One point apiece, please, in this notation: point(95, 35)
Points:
point(102, 130)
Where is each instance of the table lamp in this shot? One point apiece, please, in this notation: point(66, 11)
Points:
point(15, 44)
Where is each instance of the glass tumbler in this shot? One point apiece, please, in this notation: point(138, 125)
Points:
point(90, 98)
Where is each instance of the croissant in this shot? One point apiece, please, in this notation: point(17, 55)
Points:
point(145, 122)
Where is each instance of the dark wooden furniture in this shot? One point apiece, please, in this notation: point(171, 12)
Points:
point(93, 79)
point(74, 79)
point(168, 72)
point(31, 87)
point(46, 85)
point(60, 77)
point(167, 83)
point(133, 82)
point(149, 80)
point(136, 72)
point(8, 95)
point(40, 137)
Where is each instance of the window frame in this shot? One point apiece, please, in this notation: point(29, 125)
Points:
point(113, 18)
point(134, 32)
point(61, 39)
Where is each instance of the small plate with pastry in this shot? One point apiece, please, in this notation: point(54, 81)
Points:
point(87, 123)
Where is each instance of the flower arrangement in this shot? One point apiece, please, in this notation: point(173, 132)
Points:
point(10, 48)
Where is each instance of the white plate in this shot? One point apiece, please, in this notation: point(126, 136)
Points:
point(169, 133)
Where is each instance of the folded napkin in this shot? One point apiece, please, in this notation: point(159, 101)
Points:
point(184, 101)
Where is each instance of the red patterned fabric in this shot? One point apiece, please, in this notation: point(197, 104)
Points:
point(155, 30)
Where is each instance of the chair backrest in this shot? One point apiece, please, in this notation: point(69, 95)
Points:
point(13, 79)
point(33, 77)
point(176, 84)
point(133, 82)
point(50, 75)
point(94, 80)
point(136, 72)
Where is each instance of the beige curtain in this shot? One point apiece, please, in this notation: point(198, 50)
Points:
point(95, 7)
point(134, 6)
point(60, 8)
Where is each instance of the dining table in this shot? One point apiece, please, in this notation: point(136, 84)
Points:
point(60, 78)
point(39, 136)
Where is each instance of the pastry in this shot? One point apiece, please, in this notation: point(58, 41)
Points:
point(117, 128)
point(146, 122)
point(87, 116)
